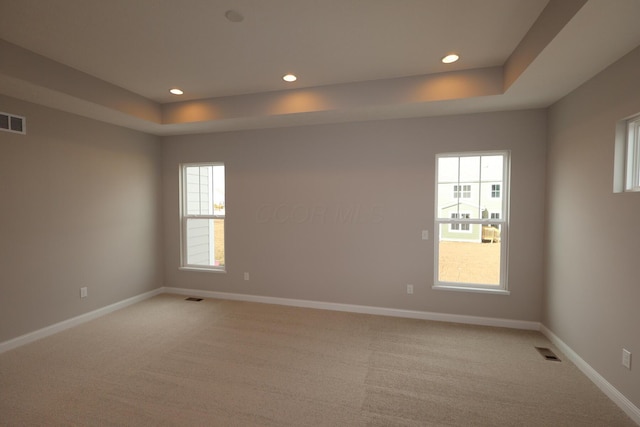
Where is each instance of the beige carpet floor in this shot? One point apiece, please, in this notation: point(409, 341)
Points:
point(170, 362)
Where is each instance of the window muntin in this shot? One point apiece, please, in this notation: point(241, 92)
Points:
point(203, 216)
point(476, 258)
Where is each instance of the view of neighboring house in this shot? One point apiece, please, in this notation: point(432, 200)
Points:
point(470, 188)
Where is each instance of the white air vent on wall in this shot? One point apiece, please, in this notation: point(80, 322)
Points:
point(13, 123)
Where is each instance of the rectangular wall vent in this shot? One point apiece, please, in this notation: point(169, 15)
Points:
point(13, 123)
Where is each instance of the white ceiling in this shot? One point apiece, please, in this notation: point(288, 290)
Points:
point(137, 50)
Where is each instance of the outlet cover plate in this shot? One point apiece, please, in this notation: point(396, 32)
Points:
point(626, 358)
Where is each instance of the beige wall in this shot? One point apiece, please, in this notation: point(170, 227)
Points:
point(310, 248)
point(79, 206)
point(593, 238)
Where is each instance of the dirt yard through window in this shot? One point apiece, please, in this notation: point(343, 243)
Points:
point(467, 262)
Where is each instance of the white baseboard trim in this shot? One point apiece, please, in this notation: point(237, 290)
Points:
point(618, 398)
point(74, 321)
point(381, 311)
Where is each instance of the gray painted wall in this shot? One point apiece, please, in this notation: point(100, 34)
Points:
point(593, 235)
point(330, 213)
point(334, 213)
point(79, 206)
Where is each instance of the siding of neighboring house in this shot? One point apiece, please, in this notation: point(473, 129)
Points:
point(448, 233)
point(471, 235)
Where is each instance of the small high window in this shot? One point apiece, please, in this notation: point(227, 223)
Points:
point(627, 156)
point(633, 155)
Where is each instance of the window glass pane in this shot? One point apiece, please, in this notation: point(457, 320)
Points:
point(469, 258)
point(449, 191)
point(492, 167)
point(218, 190)
point(491, 186)
point(218, 242)
point(197, 190)
point(205, 242)
point(448, 169)
point(205, 190)
point(469, 169)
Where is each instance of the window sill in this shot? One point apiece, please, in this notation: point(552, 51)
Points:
point(203, 270)
point(471, 289)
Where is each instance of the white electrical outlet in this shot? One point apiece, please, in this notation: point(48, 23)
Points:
point(83, 292)
point(425, 234)
point(246, 276)
point(626, 358)
point(409, 289)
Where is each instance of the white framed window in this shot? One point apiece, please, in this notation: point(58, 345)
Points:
point(461, 191)
point(632, 167)
point(472, 246)
point(202, 216)
point(627, 156)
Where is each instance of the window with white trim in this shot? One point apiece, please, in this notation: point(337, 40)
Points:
point(475, 260)
point(202, 216)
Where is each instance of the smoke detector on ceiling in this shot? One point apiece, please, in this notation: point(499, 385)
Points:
point(233, 16)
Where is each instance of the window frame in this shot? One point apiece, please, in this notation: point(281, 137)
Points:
point(503, 222)
point(626, 165)
point(632, 157)
point(185, 217)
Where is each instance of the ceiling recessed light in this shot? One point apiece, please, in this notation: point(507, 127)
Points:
point(233, 16)
point(450, 58)
point(289, 78)
point(176, 91)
